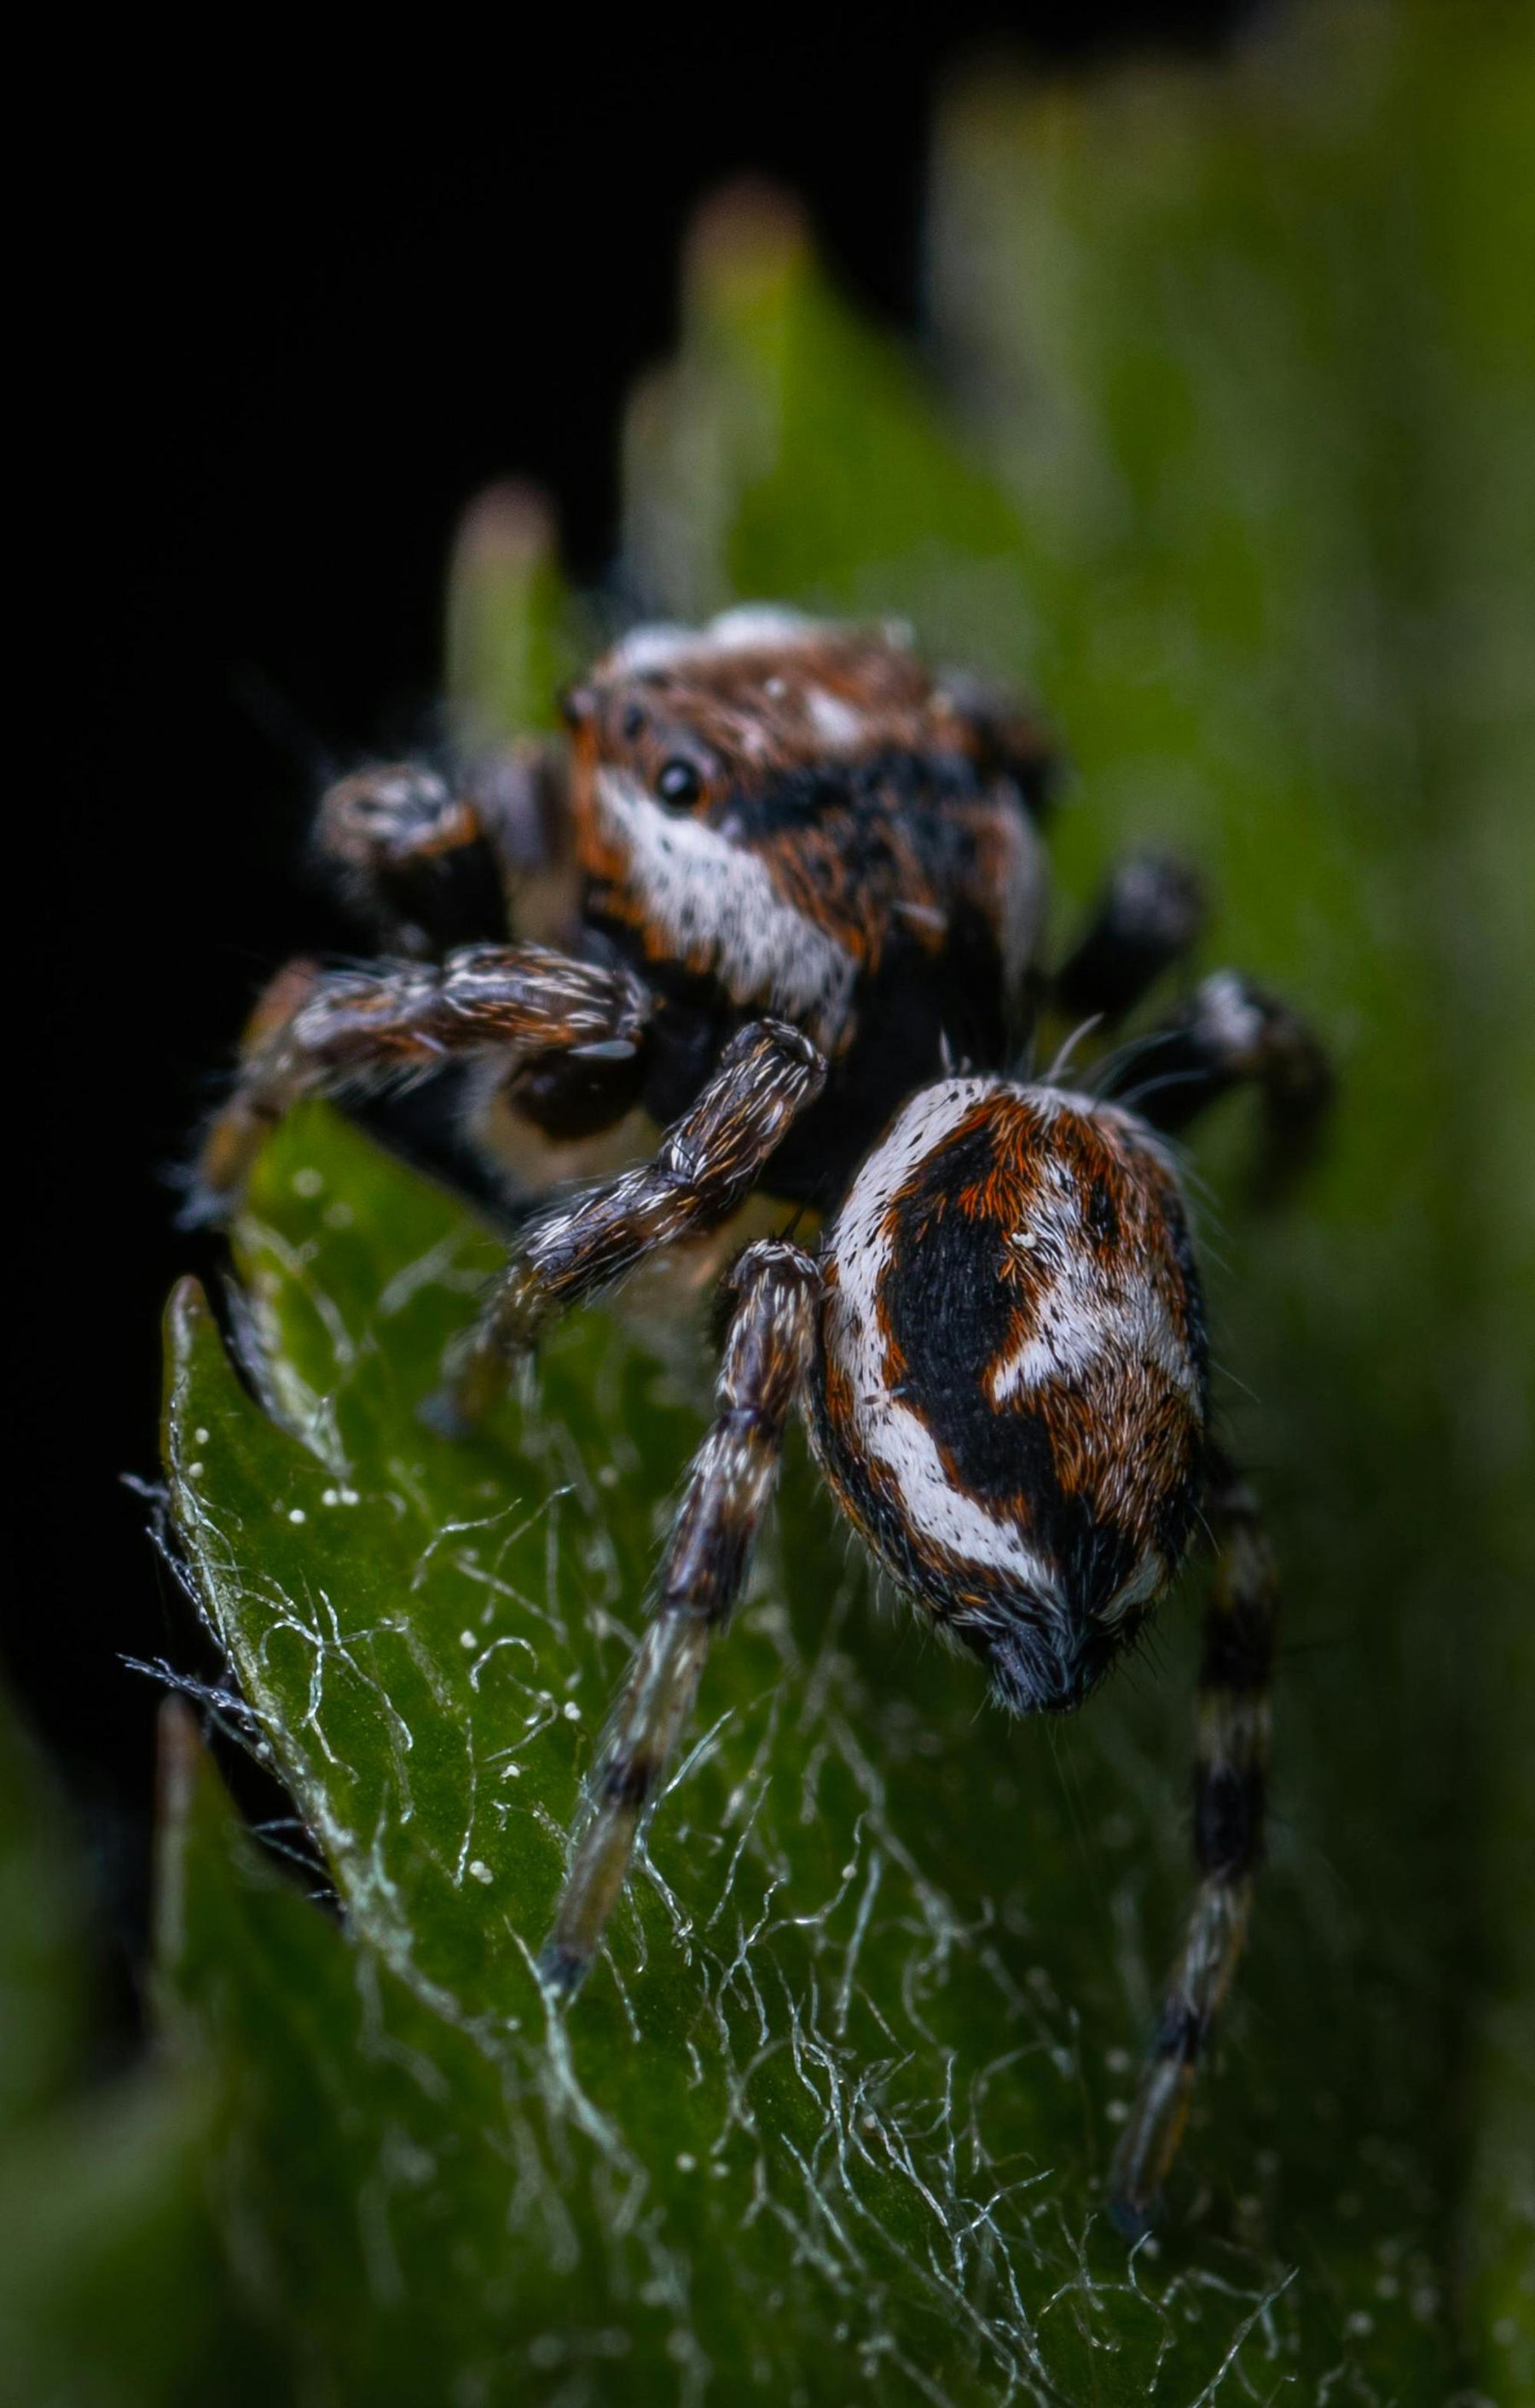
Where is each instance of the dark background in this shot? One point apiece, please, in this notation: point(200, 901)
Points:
point(298, 320)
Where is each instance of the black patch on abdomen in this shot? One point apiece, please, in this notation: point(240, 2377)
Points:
point(952, 1316)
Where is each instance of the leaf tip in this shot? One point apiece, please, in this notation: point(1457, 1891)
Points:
point(185, 1317)
point(746, 241)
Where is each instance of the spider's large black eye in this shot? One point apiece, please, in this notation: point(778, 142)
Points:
point(679, 783)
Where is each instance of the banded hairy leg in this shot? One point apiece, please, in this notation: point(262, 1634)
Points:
point(1149, 914)
point(434, 866)
point(322, 1033)
point(705, 1166)
point(767, 1353)
point(1231, 1767)
point(1231, 1031)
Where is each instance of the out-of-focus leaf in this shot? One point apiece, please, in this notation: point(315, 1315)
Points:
point(513, 635)
point(791, 452)
point(41, 2008)
point(111, 2291)
point(1282, 362)
point(1242, 493)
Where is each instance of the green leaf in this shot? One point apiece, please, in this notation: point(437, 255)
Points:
point(514, 632)
point(853, 2064)
point(1243, 366)
point(110, 2279)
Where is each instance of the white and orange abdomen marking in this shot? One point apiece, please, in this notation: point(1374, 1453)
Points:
point(1011, 1385)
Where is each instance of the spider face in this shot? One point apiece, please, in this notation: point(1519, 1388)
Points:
point(780, 811)
point(1009, 1390)
point(810, 879)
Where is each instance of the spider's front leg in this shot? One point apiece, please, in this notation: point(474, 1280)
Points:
point(767, 1353)
point(319, 1033)
point(434, 866)
point(704, 1169)
point(1229, 1777)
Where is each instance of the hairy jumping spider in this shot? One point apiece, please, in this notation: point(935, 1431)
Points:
point(808, 880)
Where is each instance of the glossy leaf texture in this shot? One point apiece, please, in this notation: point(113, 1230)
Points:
point(1229, 463)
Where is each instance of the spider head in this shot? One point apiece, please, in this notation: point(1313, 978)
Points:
point(702, 758)
point(711, 721)
point(1010, 1398)
point(753, 800)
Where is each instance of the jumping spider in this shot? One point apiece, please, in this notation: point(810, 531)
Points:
point(805, 880)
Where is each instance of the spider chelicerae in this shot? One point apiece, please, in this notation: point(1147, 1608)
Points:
point(798, 885)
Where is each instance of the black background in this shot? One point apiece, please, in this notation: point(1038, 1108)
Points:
point(296, 316)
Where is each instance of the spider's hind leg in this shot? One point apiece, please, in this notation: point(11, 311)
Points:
point(1148, 915)
point(1231, 1030)
point(1229, 1784)
point(767, 1352)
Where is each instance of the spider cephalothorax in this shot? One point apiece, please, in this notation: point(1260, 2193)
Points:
point(785, 810)
point(781, 817)
point(804, 891)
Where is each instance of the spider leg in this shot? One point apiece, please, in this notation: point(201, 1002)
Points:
point(1231, 1030)
point(706, 1165)
point(1230, 1781)
point(432, 867)
point(317, 1033)
point(411, 857)
point(1148, 916)
point(767, 1353)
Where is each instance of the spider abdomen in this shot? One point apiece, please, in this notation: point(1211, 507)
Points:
point(1009, 1397)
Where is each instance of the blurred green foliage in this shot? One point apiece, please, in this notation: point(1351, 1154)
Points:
point(1225, 451)
point(113, 2288)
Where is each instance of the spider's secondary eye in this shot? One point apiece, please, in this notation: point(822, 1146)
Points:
point(679, 783)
